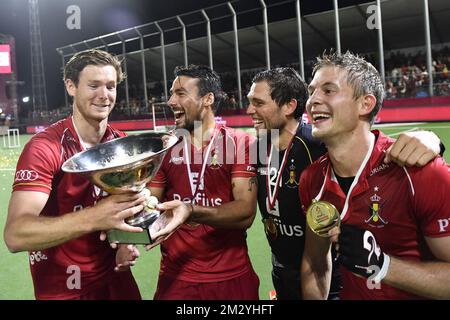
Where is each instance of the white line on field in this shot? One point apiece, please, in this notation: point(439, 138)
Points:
point(7, 169)
point(431, 127)
point(397, 133)
point(407, 124)
point(399, 124)
point(438, 127)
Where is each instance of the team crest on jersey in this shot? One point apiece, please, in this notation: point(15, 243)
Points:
point(215, 163)
point(375, 219)
point(291, 183)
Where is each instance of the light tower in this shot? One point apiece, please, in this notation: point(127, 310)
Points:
point(39, 99)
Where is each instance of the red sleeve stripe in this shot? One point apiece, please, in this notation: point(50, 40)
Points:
point(32, 184)
point(157, 183)
point(245, 173)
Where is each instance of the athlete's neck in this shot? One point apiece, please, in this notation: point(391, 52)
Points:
point(287, 133)
point(89, 131)
point(348, 154)
point(200, 135)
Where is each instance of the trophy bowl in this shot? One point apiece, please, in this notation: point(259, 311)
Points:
point(124, 165)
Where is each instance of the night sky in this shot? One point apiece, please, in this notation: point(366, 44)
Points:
point(98, 17)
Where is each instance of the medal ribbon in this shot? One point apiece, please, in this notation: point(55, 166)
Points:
point(194, 190)
point(273, 195)
point(82, 143)
point(355, 180)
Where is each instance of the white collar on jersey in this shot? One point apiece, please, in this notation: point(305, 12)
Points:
point(194, 189)
point(355, 180)
point(83, 144)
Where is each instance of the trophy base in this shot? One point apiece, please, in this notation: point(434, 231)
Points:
point(143, 220)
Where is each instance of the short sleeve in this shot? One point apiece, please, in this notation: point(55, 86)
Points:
point(245, 156)
point(431, 189)
point(36, 166)
point(159, 180)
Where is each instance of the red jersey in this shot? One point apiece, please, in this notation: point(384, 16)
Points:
point(202, 253)
point(399, 205)
point(39, 169)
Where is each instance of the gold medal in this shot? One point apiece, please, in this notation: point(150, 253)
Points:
point(321, 217)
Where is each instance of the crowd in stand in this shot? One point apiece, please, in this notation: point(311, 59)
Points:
point(48, 116)
point(407, 74)
point(406, 77)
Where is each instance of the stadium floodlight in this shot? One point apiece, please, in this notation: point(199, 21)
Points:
point(25, 99)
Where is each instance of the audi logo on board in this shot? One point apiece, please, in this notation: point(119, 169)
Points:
point(26, 175)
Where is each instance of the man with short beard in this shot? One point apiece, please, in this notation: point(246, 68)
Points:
point(210, 190)
point(277, 101)
point(57, 216)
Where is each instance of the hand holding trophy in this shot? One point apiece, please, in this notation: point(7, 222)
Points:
point(126, 165)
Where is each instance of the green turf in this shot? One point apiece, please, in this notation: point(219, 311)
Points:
point(15, 279)
point(442, 129)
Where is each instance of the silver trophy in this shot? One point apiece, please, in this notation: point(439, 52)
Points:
point(125, 165)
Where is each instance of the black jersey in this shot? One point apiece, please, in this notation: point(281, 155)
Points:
point(284, 221)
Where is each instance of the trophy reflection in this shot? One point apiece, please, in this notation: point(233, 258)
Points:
point(126, 165)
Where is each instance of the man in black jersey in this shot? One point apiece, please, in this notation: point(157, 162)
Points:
point(277, 101)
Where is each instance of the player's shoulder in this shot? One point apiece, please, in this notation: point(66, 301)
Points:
point(304, 137)
point(234, 132)
point(383, 142)
point(436, 170)
point(316, 169)
point(51, 136)
point(116, 133)
point(304, 132)
point(238, 135)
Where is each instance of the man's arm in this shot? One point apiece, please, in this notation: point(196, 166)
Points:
point(316, 267)
point(126, 257)
point(429, 279)
point(426, 279)
point(26, 230)
point(414, 148)
point(239, 213)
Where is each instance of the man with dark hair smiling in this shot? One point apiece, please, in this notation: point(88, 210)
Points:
point(277, 102)
point(57, 216)
point(211, 202)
